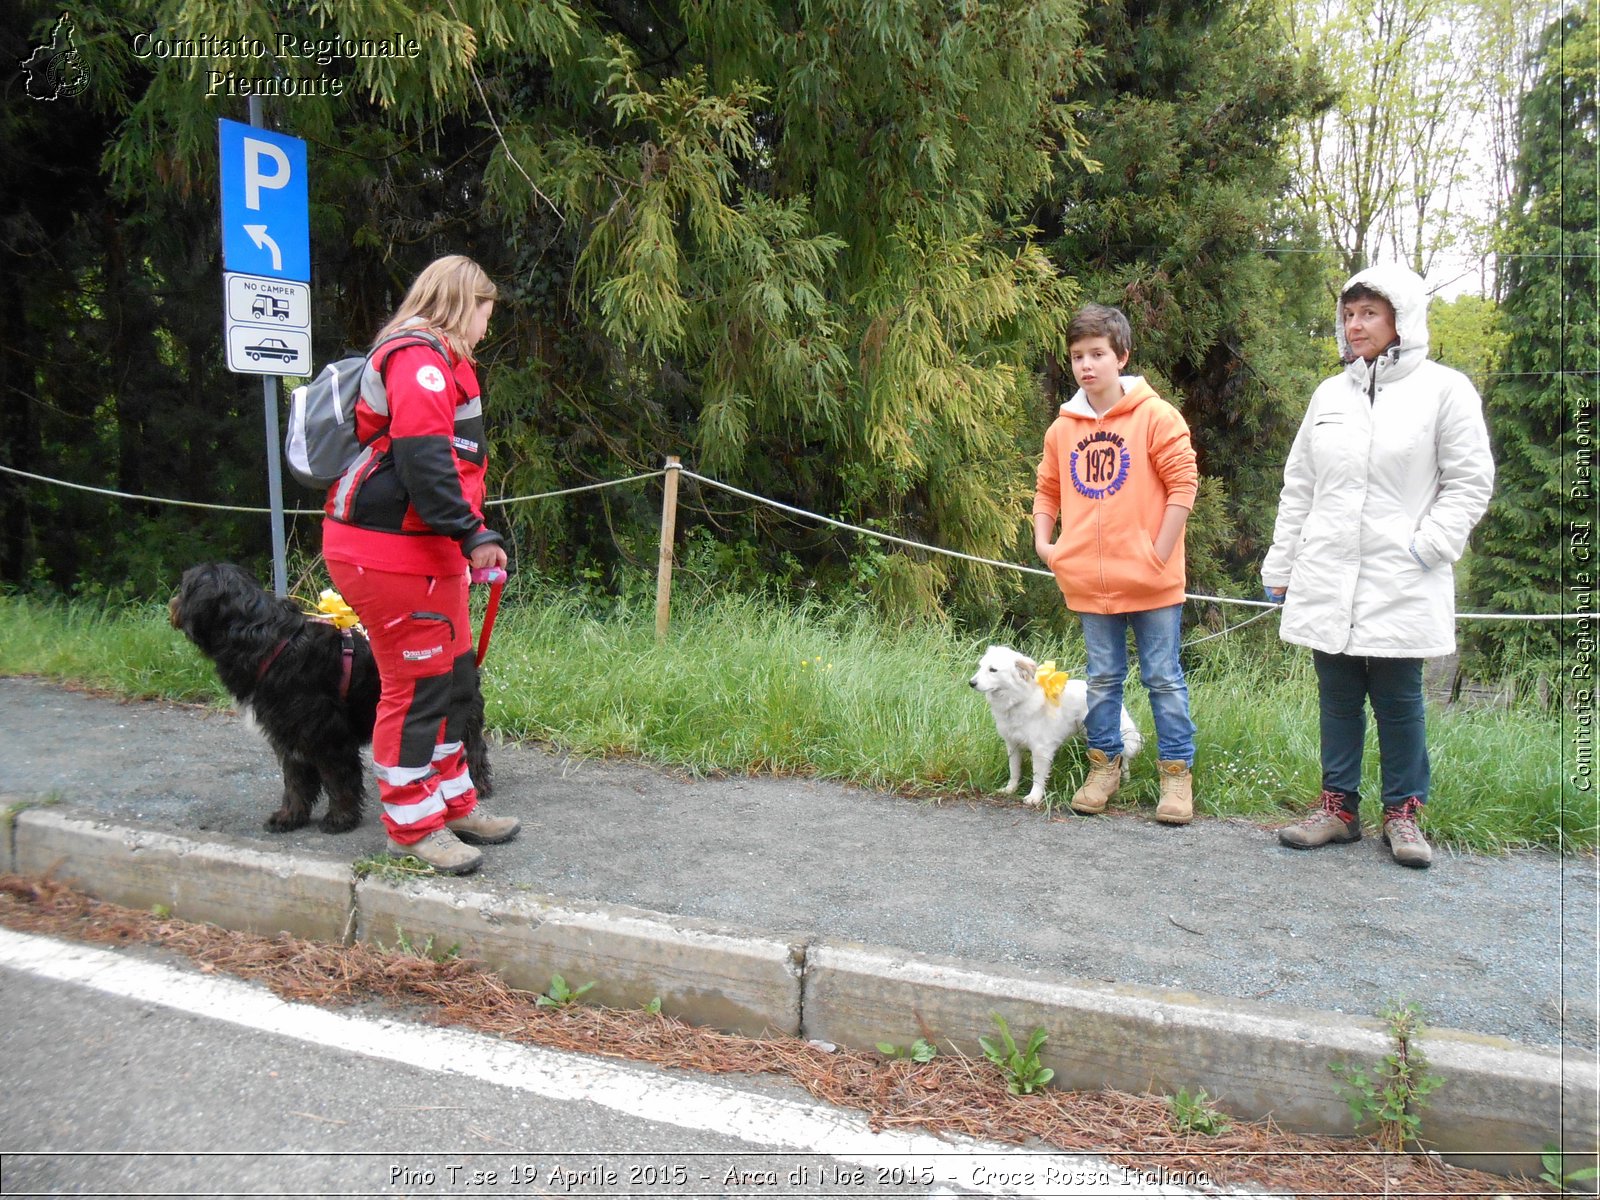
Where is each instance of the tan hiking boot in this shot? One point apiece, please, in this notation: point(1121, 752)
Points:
point(1105, 776)
point(442, 851)
point(1331, 821)
point(1176, 806)
point(478, 829)
point(1400, 831)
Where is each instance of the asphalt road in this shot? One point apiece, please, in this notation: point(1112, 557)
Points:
point(129, 1073)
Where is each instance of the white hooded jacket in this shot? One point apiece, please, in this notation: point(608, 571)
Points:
point(1386, 478)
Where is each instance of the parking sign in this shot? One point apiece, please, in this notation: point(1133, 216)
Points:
point(266, 227)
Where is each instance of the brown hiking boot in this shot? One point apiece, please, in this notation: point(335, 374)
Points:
point(1332, 822)
point(1105, 776)
point(442, 851)
point(477, 829)
point(1176, 806)
point(1400, 831)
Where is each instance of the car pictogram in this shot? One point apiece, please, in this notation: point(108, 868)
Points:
point(272, 348)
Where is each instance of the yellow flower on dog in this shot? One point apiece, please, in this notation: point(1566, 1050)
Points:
point(332, 605)
point(1051, 681)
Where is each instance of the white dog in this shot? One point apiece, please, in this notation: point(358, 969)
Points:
point(1025, 717)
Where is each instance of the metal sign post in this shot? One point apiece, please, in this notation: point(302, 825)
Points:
point(266, 261)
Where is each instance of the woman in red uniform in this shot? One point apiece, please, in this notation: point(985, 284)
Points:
point(404, 526)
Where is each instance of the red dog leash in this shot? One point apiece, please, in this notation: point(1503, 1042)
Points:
point(495, 577)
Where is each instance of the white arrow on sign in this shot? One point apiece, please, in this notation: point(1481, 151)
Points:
point(258, 235)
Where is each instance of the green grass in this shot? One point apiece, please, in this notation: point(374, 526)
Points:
point(131, 650)
point(741, 685)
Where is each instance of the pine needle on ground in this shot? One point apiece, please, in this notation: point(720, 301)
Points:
point(950, 1095)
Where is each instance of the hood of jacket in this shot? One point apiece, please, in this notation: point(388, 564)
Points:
point(1408, 296)
point(1135, 391)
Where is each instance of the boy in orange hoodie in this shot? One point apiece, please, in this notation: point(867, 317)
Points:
point(1119, 470)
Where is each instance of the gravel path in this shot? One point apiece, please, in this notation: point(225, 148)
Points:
point(1502, 946)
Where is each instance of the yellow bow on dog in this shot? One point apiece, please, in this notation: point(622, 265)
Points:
point(332, 605)
point(1051, 681)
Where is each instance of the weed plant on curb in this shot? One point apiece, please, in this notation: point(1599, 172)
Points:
point(920, 1051)
point(391, 868)
point(404, 945)
point(1557, 1175)
point(559, 995)
point(10, 813)
point(884, 707)
point(1022, 1069)
point(1388, 1097)
point(1197, 1114)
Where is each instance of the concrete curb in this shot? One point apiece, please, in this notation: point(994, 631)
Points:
point(11, 807)
point(1500, 1103)
point(736, 981)
point(218, 880)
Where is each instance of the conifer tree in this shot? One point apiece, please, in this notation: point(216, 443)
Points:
point(1536, 546)
point(785, 240)
point(1188, 116)
point(796, 242)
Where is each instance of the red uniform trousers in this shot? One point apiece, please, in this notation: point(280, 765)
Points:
point(421, 638)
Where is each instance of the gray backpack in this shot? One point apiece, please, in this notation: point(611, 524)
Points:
point(321, 441)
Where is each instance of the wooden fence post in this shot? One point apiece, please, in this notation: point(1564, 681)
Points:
point(669, 525)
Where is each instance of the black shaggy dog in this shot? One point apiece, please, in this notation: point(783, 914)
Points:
point(311, 689)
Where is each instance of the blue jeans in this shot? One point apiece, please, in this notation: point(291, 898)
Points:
point(1156, 633)
point(1394, 685)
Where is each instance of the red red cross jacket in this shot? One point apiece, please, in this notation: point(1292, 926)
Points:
point(412, 502)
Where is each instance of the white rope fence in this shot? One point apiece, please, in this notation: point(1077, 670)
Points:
point(674, 468)
point(989, 562)
point(309, 512)
point(572, 491)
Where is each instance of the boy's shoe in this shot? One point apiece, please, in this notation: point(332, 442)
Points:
point(1332, 822)
point(1401, 832)
point(477, 829)
point(442, 851)
point(1176, 806)
point(1105, 776)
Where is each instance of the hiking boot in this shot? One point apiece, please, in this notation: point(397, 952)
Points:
point(442, 851)
point(1176, 806)
point(1105, 776)
point(1332, 822)
point(477, 829)
point(1400, 831)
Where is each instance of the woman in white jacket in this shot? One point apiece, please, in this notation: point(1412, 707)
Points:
point(1387, 476)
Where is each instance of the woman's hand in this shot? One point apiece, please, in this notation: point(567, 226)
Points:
point(490, 554)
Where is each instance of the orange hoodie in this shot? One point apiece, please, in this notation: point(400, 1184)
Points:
point(1110, 479)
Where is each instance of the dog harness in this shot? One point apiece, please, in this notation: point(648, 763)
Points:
point(347, 661)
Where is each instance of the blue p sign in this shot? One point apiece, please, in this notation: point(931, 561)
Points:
point(266, 228)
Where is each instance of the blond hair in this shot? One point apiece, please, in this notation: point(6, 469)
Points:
point(444, 298)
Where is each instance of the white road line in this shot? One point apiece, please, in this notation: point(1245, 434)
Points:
point(684, 1102)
